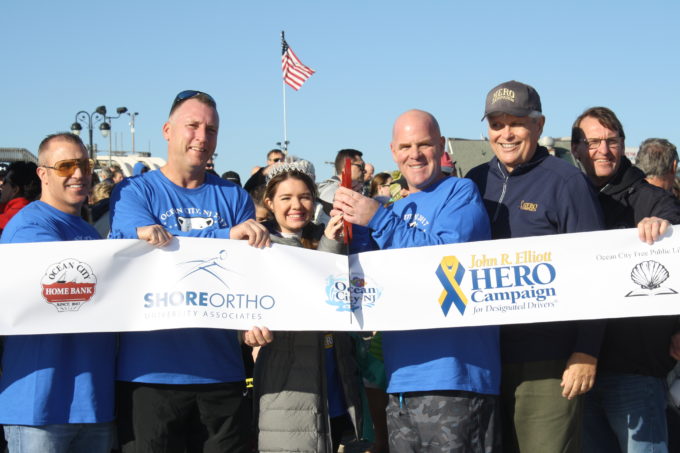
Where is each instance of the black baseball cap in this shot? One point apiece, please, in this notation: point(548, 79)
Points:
point(514, 98)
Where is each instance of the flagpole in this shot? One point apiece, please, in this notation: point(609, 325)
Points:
point(294, 74)
point(285, 125)
point(284, 145)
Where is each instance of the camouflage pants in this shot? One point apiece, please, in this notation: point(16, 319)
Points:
point(445, 421)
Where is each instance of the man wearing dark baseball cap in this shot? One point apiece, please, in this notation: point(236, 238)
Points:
point(513, 98)
point(528, 192)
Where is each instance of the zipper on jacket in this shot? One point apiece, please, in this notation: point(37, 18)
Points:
point(505, 185)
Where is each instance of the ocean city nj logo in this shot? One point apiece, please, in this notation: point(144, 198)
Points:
point(351, 292)
point(649, 275)
point(68, 284)
point(499, 283)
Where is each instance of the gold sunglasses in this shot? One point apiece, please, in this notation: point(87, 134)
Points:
point(66, 168)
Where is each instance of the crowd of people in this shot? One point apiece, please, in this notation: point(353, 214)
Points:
point(571, 386)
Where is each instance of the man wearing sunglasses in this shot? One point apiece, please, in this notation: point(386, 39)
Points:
point(259, 176)
point(56, 391)
point(328, 187)
point(183, 389)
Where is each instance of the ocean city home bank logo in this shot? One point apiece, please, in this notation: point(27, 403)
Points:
point(349, 293)
point(649, 275)
point(68, 284)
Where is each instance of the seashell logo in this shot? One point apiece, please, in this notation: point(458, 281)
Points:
point(650, 275)
point(68, 284)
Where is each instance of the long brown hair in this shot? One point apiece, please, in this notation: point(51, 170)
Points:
point(310, 237)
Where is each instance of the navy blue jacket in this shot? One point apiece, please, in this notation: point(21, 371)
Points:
point(543, 196)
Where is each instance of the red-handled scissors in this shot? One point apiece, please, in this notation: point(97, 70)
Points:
point(347, 182)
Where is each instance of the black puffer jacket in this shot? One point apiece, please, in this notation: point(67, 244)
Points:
point(637, 345)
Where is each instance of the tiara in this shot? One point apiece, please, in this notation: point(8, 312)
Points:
point(292, 163)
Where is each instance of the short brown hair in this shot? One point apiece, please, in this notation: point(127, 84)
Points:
point(605, 116)
point(66, 136)
point(340, 158)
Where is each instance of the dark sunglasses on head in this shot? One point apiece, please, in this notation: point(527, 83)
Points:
point(188, 94)
point(66, 168)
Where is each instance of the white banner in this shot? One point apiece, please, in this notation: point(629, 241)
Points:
point(127, 285)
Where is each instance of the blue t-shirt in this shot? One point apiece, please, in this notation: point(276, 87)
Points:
point(55, 379)
point(466, 358)
point(179, 356)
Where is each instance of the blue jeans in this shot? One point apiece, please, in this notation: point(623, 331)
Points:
point(62, 438)
point(626, 413)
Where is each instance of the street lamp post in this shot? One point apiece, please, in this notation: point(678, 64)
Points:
point(106, 131)
point(89, 119)
point(132, 129)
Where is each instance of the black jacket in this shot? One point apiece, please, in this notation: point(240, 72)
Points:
point(637, 345)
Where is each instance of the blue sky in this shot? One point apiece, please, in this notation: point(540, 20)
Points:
point(374, 59)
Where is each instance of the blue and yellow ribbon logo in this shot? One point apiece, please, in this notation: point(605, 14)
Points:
point(450, 273)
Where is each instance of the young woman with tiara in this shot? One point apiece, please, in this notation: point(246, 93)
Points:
point(306, 383)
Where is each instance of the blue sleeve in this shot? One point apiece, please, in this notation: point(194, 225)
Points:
point(581, 212)
point(461, 218)
point(579, 207)
point(30, 232)
point(129, 210)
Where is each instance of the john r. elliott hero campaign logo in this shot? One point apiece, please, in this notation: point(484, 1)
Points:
point(68, 284)
point(518, 281)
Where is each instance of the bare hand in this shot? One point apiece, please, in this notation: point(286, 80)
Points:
point(650, 229)
point(579, 375)
point(675, 346)
point(356, 208)
point(333, 230)
point(256, 233)
point(258, 336)
point(155, 235)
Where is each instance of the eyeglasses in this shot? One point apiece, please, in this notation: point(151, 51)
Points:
point(278, 159)
point(361, 167)
point(209, 166)
point(594, 143)
point(66, 168)
point(188, 94)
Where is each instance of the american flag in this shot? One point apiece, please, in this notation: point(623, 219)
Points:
point(294, 72)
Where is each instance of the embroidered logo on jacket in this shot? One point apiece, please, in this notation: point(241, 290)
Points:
point(528, 206)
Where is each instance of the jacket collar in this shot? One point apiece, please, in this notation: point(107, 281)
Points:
point(539, 156)
point(625, 176)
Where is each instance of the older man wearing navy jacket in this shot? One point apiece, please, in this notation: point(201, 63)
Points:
point(528, 192)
